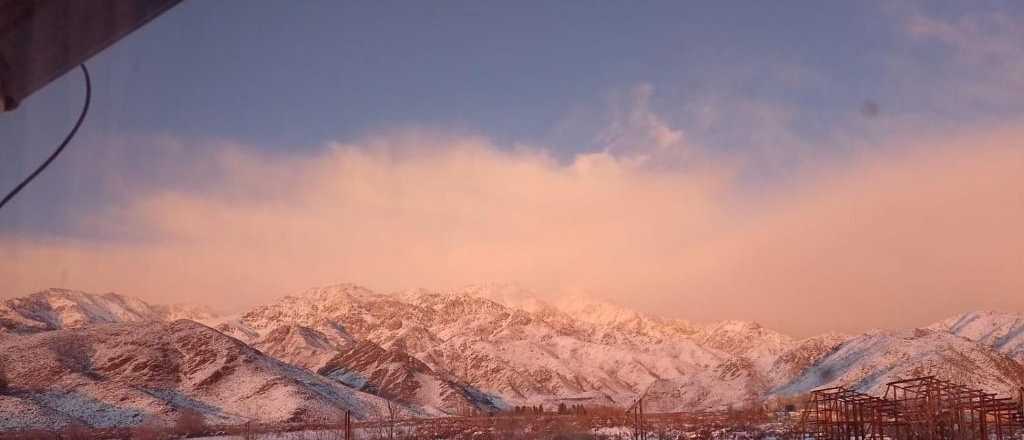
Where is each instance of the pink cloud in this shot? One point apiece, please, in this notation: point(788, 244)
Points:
point(904, 234)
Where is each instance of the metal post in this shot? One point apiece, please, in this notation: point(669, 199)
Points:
point(348, 425)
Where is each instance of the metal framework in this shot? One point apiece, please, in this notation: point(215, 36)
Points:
point(921, 408)
point(636, 412)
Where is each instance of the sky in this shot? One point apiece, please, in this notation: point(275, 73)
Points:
point(813, 167)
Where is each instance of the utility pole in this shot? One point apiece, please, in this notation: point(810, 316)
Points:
point(638, 419)
point(348, 425)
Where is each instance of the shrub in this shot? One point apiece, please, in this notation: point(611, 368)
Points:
point(189, 422)
point(75, 354)
point(151, 429)
point(76, 431)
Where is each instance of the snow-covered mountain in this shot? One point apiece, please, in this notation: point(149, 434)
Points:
point(59, 308)
point(53, 309)
point(801, 355)
point(301, 346)
point(869, 361)
point(120, 374)
point(527, 355)
point(491, 346)
point(1001, 331)
point(507, 343)
point(734, 382)
point(745, 339)
point(395, 375)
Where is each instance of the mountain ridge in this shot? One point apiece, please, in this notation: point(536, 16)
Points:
point(488, 347)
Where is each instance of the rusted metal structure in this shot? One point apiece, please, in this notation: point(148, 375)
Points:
point(921, 408)
point(636, 412)
point(348, 425)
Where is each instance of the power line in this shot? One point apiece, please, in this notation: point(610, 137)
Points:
point(67, 139)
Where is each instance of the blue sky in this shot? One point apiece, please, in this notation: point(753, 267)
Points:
point(779, 87)
point(274, 74)
point(284, 76)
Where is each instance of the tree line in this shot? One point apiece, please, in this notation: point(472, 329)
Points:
point(575, 409)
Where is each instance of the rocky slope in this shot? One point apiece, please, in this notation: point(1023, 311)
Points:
point(61, 308)
point(1001, 331)
point(869, 361)
point(514, 355)
point(58, 308)
point(395, 375)
point(801, 355)
point(120, 374)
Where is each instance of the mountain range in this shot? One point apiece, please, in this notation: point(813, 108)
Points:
point(109, 359)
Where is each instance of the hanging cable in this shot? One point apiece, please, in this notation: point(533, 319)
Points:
point(67, 139)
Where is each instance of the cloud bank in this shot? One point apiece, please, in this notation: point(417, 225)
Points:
point(923, 223)
point(893, 237)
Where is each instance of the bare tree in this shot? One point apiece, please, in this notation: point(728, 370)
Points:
point(392, 412)
point(4, 382)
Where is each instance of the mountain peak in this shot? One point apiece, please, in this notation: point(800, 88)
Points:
point(596, 311)
point(736, 326)
point(340, 290)
point(744, 338)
